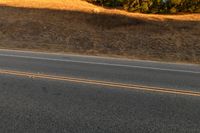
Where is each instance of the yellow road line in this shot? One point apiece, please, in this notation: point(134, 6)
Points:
point(102, 83)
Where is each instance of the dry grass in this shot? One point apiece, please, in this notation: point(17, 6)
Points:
point(80, 27)
point(81, 5)
point(51, 4)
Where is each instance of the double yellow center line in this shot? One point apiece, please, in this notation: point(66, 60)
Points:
point(101, 83)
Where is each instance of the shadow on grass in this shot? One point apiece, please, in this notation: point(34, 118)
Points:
point(91, 33)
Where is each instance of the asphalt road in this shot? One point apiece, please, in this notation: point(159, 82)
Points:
point(39, 105)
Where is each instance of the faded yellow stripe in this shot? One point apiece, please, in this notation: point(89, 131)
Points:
point(102, 83)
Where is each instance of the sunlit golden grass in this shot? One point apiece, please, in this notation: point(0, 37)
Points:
point(81, 5)
point(51, 4)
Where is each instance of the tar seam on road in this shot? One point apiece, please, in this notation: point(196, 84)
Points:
point(104, 64)
point(101, 83)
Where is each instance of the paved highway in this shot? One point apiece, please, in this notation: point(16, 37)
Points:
point(48, 93)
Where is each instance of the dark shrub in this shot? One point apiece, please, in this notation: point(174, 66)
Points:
point(153, 6)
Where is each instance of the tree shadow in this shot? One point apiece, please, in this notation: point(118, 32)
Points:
point(99, 33)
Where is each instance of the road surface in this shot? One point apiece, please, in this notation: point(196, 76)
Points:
point(63, 93)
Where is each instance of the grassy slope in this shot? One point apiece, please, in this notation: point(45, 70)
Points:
point(79, 27)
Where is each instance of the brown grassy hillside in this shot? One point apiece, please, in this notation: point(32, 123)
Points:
point(79, 27)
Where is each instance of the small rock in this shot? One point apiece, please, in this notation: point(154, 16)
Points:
point(96, 10)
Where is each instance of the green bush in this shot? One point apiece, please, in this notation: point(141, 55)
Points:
point(153, 6)
point(110, 3)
